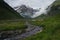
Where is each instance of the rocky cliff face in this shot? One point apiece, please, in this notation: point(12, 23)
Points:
point(30, 8)
point(26, 11)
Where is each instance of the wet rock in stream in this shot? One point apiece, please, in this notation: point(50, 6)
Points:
point(18, 34)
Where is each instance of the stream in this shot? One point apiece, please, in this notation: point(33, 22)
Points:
point(26, 34)
point(17, 35)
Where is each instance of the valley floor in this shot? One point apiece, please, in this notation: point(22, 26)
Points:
point(50, 24)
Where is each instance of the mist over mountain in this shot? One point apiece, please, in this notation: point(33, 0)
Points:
point(26, 11)
point(30, 8)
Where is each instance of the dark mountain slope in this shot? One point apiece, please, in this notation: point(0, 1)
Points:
point(6, 12)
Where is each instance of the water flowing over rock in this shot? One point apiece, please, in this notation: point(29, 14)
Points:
point(18, 34)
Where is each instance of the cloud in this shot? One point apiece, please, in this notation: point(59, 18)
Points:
point(35, 4)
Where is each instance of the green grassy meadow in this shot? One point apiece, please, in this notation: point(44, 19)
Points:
point(50, 23)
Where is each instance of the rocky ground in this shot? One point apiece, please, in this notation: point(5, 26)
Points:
point(19, 34)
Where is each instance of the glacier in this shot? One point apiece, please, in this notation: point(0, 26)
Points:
point(31, 8)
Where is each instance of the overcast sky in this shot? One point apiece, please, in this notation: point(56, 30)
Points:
point(31, 3)
point(35, 4)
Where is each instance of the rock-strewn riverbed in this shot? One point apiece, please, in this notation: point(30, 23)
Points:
point(18, 34)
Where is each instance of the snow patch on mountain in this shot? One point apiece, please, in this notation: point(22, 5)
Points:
point(33, 8)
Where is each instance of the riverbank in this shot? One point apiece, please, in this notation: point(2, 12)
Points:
point(20, 34)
